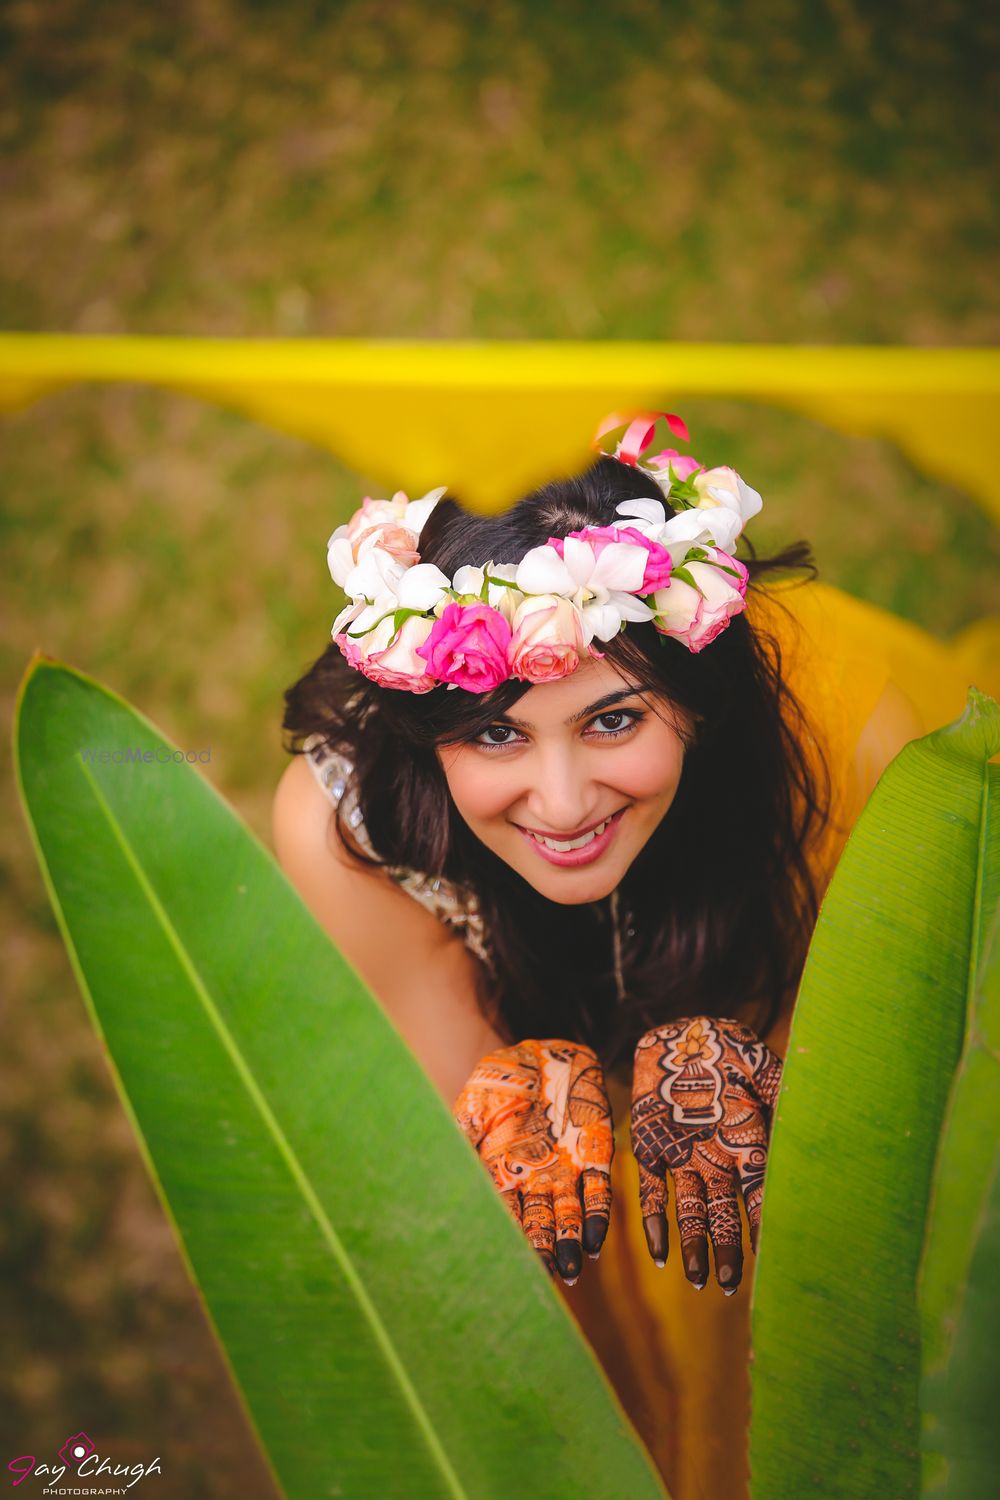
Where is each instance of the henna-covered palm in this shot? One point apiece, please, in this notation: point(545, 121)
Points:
point(703, 1092)
point(538, 1115)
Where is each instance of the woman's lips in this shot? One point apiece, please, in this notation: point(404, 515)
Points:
point(591, 850)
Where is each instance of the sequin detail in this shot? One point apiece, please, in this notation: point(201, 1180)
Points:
point(457, 908)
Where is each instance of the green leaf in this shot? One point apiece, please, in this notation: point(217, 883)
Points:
point(876, 1037)
point(959, 1304)
point(390, 1328)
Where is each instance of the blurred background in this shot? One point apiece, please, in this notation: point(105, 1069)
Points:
point(768, 172)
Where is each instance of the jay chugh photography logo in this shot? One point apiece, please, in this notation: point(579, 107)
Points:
point(89, 1473)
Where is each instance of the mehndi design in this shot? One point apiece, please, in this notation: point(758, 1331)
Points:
point(703, 1091)
point(539, 1117)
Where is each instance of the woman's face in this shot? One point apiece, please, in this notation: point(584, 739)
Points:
point(588, 761)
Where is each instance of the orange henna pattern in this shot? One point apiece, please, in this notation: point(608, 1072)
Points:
point(703, 1092)
point(539, 1117)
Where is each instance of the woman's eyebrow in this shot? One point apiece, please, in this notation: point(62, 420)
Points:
point(592, 708)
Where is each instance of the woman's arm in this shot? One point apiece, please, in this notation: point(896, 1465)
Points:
point(423, 975)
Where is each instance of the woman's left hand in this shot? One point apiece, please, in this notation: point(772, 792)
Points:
point(539, 1117)
point(703, 1092)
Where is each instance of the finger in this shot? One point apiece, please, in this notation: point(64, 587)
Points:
point(512, 1198)
point(509, 1191)
point(767, 1078)
point(566, 1206)
point(539, 1221)
point(653, 1205)
point(752, 1165)
point(590, 1112)
point(595, 1192)
point(724, 1227)
point(692, 1223)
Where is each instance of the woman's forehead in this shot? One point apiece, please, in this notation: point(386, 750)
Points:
point(550, 703)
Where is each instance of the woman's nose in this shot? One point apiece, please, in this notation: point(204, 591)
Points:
point(561, 797)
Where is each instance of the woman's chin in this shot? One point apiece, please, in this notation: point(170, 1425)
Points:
point(569, 887)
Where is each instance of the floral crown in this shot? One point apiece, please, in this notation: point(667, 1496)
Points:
point(407, 625)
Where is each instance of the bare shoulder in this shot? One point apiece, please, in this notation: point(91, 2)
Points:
point(423, 974)
point(894, 722)
point(351, 900)
point(301, 815)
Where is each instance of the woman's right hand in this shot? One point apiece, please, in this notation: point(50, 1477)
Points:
point(538, 1115)
point(703, 1095)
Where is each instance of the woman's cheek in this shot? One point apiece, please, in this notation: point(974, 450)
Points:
point(480, 791)
point(648, 771)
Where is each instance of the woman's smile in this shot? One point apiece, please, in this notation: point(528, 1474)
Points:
point(575, 849)
point(569, 785)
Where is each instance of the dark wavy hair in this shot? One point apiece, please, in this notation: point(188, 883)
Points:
point(718, 906)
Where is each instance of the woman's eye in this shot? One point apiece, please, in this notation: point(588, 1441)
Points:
point(616, 721)
point(614, 724)
point(494, 737)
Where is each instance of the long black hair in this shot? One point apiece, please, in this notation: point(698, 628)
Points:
point(717, 908)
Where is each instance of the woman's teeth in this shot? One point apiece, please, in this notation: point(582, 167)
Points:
point(581, 843)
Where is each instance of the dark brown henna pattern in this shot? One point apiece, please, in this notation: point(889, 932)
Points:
point(703, 1093)
point(538, 1115)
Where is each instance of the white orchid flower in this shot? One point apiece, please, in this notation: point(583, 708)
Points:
point(373, 574)
point(470, 580)
point(357, 618)
point(347, 616)
point(713, 527)
point(649, 511)
point(417, 511)
point(713, 524)
point(421, 587)
point(602, 588)
point(339, 556)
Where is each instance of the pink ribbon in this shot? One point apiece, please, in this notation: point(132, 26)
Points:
point(639, 432)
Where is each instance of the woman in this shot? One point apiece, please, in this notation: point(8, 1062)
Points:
point(615, 773)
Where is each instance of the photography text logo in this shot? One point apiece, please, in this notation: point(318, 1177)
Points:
point(131, 754)
point(79, 1455)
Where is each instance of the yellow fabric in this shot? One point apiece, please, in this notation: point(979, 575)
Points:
point(493, 419)
point(679, 1359)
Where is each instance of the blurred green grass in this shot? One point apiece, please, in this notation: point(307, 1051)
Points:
point(705, 171)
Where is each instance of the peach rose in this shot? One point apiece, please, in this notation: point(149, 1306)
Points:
point(548, 640)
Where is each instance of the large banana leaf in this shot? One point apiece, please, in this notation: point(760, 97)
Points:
point(958, 1278)
point(876, 1039)
point(390, 1329)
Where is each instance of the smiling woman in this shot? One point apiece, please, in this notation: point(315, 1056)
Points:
point(570, 797)
point(578, 734)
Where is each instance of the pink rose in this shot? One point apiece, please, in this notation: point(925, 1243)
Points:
point(388, 662)
point(682, 464)
point(468, 646)
point(725, 560)
point(548, 639)
point(697, 615)
point(657, 571)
